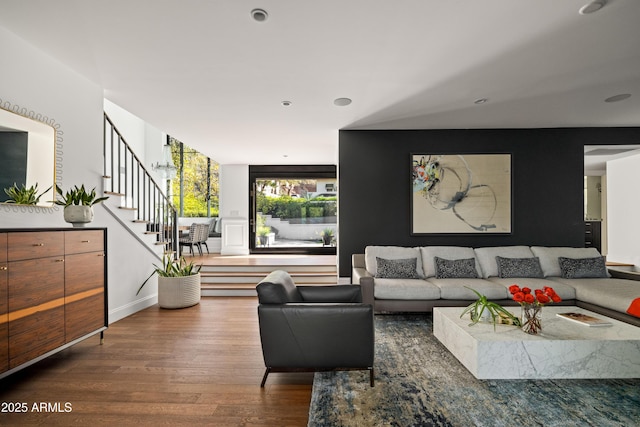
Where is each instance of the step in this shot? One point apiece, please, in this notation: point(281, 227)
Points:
point(265, 269)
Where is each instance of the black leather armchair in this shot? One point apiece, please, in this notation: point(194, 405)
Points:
point(314, 328)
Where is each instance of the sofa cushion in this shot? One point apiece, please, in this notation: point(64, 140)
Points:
point(396, 268)
point(572, 268)
point(405, 289)
point(487, 257)
point(565, 291)
point(519, 267)
point(615, 294)
point(549, 257)
point(390, 252)
point(456, 289)
point(455, 268)
point(446, 252)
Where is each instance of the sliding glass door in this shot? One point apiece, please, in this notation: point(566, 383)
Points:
point(293, 209)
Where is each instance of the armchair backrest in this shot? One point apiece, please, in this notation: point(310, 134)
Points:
point(278, 288)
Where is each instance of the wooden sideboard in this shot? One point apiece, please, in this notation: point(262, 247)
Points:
point(53, 291)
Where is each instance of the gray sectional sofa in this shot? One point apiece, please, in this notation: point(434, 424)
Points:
point(416, 279)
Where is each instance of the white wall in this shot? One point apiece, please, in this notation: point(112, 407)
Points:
point(145, 140)
point(234, 209)
point(35, 81)
point(623, 205)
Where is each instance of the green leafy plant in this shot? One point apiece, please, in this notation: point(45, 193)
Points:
point(263, 231)
point(172, 267)
point(498, 313)
point(78, 196)
point(327, 232)
point(23, 195)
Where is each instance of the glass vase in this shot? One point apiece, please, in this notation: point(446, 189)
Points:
point(532, 319)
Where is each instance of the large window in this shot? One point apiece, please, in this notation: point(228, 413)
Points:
point(194, 190)
point(294, 209)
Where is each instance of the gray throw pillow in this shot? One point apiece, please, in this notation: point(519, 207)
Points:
point(519, 267)
point(456, 268)
point(397, 268)
point(581, 268)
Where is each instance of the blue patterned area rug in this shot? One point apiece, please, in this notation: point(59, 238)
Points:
point(419, 383)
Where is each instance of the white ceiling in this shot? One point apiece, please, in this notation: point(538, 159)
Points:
point(206, 73)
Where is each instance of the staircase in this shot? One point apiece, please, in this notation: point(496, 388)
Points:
point(135, 199)
point(239, 275)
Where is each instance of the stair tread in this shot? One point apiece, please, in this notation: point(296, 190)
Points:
point(245, 285)
point(262, 273)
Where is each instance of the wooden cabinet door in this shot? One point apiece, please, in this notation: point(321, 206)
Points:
point(84, 294)
point(4, 317)
point(36, 307)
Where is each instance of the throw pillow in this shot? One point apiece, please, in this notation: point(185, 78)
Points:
point(580, 268)
point(519, 267)
point(396, 268)
point(455, 268)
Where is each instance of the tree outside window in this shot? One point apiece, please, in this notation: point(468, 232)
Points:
point(194, 190)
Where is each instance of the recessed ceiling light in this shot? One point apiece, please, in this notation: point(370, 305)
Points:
point(594, 6)
point(259, 15)
point(286, 103)
point(342, 102)
point(481, 101)
point(617, 98)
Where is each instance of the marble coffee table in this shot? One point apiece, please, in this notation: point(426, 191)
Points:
point(564, 349)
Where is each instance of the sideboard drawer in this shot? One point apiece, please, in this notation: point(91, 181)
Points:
point(30, 245)
point(76, 242)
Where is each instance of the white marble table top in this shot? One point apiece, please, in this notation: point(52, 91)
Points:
point(565, 349)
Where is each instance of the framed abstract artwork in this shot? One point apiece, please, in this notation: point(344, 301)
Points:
point(460, 193)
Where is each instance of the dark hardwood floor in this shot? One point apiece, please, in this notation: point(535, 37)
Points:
point(196, 366)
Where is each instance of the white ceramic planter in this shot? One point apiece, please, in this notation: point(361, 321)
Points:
point(78, 215)
point(179, 292)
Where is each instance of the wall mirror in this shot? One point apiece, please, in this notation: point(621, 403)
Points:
point(27, 155)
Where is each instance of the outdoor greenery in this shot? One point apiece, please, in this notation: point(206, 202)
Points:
point(286, 207)
point(194, 174)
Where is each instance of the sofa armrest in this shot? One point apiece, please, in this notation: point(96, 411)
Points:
point(331, 294)
point(317, 335)
point(622, 274)
point(365, 280)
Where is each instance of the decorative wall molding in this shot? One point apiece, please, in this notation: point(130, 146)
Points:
point(59, 154)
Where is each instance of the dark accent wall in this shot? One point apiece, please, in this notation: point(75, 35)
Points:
point(547, 184)
point(13, 161)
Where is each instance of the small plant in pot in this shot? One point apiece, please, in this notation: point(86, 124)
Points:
point(178, 283)
point(23, 195)
point(263, 235)
point(78, 204)
point(327, 236)
point(484, 310)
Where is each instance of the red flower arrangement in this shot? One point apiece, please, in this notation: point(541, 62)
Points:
point(531, 304)
point(538, 297)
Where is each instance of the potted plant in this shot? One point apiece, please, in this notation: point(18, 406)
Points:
point(178, 283)
point(23, 195)
point(263, 235)
point(78, 204)
point(327, 236)
point(484, 310)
